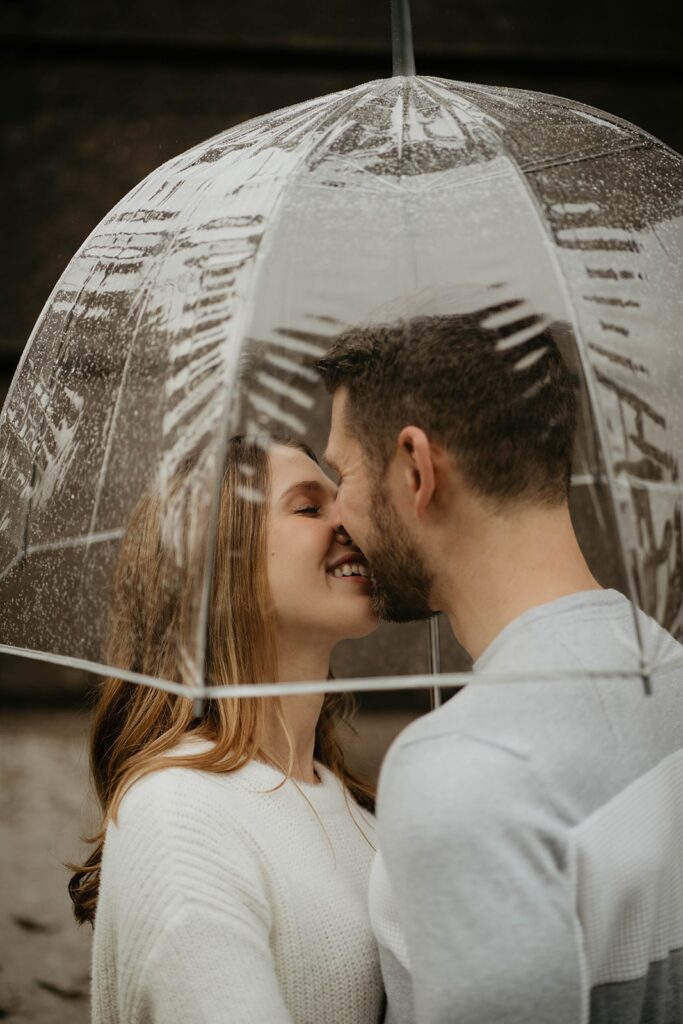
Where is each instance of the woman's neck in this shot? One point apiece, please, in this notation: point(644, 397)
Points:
point(299, 713)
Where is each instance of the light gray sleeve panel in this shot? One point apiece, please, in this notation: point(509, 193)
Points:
point(627, 866)
point(476, 857)
point(628, 874)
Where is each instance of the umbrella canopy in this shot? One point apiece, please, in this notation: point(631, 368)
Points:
point(196, 309)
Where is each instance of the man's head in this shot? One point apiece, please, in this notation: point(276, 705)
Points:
point(437, 408)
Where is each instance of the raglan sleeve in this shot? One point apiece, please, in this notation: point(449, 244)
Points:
point(477, 867)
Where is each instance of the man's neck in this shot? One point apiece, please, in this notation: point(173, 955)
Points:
point(508, 565)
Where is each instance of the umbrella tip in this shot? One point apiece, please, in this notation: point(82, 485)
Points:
point(402, 39)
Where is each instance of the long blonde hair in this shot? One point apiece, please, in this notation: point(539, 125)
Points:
point(153, 617)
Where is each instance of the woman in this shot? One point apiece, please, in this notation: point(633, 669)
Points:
point(229, 878)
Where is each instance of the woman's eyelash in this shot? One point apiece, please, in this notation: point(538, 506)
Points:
point(308, 508)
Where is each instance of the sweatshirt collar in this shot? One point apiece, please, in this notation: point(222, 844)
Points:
point(551, 609)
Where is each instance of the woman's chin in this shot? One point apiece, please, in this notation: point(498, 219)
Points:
point(356, 629)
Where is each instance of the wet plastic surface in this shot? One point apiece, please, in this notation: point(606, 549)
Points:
point(197, 308)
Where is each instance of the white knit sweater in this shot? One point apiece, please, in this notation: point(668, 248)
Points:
point(222, 902)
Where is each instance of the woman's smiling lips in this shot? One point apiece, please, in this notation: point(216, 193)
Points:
point(351, 568)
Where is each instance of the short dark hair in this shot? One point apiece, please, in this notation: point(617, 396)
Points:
point(500, 398)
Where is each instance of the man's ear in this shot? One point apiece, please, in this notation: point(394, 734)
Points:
point(417, 463)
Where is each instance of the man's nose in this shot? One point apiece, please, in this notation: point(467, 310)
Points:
point(340, 535)
point(336, 523)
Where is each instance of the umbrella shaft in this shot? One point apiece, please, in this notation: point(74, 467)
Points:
point(434, 659)
point(402, 39)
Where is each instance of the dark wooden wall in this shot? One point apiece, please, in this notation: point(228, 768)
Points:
point(97, 95)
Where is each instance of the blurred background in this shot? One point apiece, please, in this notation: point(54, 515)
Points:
point(95, 97)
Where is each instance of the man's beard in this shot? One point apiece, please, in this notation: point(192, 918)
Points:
point(400, 581)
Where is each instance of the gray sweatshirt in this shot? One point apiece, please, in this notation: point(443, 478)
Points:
point(531, 833)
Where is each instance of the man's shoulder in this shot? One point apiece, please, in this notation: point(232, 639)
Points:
point(444, 790)
point(462, 719)
point(483, 720)
point(451, 750)
point(590, 631)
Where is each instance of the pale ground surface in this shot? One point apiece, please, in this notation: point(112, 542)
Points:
point(45, 805)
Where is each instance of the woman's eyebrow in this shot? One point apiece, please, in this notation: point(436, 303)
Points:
point(303, 485)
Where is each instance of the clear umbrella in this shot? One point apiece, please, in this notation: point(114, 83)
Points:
point(197, 308)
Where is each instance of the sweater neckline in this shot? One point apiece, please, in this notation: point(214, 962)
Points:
point(325, 796)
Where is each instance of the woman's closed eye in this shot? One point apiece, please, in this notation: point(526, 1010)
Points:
point(307, 510)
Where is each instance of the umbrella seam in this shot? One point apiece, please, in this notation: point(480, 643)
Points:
point(594, 402)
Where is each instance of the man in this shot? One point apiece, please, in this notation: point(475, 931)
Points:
point(531, 831)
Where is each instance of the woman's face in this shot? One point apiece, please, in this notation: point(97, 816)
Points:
point(317, 584)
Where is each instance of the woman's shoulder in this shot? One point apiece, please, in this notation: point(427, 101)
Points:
point(176, 802)
point(161, 793)
point(176, 824)
point(181, 792)
point(173, 841)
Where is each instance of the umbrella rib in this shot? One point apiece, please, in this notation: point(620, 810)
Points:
point(628, 480)
point(360, 685)
point(74, 542)
point(61, 545)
